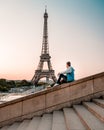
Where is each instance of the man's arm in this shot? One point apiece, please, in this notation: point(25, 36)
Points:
point(69, 70)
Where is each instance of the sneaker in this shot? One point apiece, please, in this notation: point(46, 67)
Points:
point(56, 84)
point(48, 87)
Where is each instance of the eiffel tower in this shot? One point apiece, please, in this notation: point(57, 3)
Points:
point(45, 57)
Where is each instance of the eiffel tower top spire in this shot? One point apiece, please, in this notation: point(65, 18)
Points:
point(45, 46)
point(45, 8)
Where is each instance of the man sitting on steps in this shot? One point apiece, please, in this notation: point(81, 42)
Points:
point(67, 75)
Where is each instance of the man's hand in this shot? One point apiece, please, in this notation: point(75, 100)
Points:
point(58, 74)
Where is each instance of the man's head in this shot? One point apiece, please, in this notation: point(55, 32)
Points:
point(68, 64)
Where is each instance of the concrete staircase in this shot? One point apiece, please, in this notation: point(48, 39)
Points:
point(85, 116)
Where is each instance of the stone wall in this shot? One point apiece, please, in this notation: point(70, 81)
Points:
point(52, 99)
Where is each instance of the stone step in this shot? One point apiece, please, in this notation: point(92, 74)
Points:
point(34, 123)
point(89, 120)
point(14, 126)
point(95, 109)
point(5, 128)
point(73, 122)
point(46, 122)
point(23, 125)
point(99, 102)
point(58, 121)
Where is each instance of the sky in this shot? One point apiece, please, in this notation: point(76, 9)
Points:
point(75, 29)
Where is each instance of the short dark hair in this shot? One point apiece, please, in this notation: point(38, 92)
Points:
point(68, 63)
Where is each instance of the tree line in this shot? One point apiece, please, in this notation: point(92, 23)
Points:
point(6, 85)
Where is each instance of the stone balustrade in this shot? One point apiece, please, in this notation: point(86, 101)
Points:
point(52, 99)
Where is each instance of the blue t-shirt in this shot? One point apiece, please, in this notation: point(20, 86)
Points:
point(70, 75)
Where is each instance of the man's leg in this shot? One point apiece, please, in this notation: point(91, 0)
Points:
point(62, 77)
point(63, 81)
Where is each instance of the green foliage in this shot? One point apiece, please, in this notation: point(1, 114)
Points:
point(7, 85)
point(23, 83)
point(11, 84)
point(3, 88)
point(3, 82)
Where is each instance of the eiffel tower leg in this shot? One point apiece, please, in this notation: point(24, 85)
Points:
point(36, 81)
point(54, 79)
point(35, 78)
point(49, 65)
point(40, 66)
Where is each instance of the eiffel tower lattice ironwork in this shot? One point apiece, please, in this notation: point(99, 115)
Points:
point(45, 57)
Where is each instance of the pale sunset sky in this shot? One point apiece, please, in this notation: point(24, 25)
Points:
point(76, 34)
